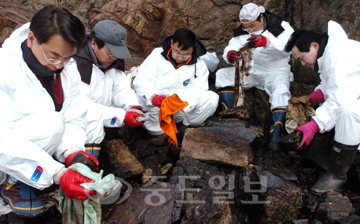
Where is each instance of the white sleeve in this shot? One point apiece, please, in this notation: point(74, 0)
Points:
point(341, 82)
point(235, 43)
point(19, 156)
point(123, 96)
point(144, 82)
point(278, 43)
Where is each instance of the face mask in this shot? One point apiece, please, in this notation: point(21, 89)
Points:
point(257, 32)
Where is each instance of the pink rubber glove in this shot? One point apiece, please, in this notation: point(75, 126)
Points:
point(232, 56)
point(70, 183)
point(258, 40)
point(308, 130)
point(316, 97)
point(157, 99)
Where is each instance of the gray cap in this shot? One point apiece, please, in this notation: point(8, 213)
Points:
point(114, 36)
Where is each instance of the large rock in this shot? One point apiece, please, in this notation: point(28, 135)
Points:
point(12, 15)
point(335, 208)
point(149, 21)
point(120, 160)
point(152, 203)
point(223, 142)
point(269, 198)
point(203, 192)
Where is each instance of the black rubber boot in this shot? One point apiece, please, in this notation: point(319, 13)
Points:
point(341, 158)
point(158, 140)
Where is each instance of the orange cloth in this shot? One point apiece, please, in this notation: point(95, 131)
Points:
point(169, 106)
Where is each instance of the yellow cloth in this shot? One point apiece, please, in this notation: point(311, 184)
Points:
point(169, 106)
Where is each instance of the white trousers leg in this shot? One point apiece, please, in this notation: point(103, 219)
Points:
point(276, 85)
point(347, 129)
point(278, 89)
point(204, 108)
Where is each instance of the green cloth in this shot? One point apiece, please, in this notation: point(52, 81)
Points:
point(88, 211)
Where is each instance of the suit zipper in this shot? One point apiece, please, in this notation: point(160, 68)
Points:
point(54, 76)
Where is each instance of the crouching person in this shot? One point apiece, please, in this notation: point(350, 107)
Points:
point(101, 65)
point(43, 112)
point(175, 68)
point(333, 55)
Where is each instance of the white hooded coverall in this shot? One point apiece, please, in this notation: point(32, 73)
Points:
point(111, 95)
point(31, 131)
point(339, 69)
point(270, 69)
point(156, 75)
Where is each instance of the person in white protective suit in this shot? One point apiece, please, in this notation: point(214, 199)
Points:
point(43, 113)
point(334, 56)
point(175, 68)
point(101, 64)
point(270, 70)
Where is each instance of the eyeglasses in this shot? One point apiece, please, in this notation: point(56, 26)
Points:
point(177, 54)
point(52, 61)
point(110, 54)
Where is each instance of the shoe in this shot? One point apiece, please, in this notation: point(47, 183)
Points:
point(181, 131)
point(341, 158)
point(158, 140)
point(21, 198)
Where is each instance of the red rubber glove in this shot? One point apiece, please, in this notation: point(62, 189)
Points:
point(316, 97)
point(138, 107)
point(134, 118)
point(308, 130)
point(232, 56)
point(70, 183)
point(92, 158)
point(157, 99)
point(258, 40)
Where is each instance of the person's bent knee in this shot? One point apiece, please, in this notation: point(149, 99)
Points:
point(349, 110)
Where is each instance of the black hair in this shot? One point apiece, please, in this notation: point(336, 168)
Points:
point(185, 38)
point(302, 39)
point(259, 17)
point(52, 20)
point(100, 43)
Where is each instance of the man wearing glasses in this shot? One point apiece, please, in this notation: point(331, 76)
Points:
point(270, 69)
point(43, 113)
point(175, 68)
point(101, 65)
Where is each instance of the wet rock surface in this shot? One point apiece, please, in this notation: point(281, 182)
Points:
point(207, 192)
point(152, 203)
point(226, 143)
point(335, 208)
point(202, 191)
point(272, 188)
point(276, 200)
